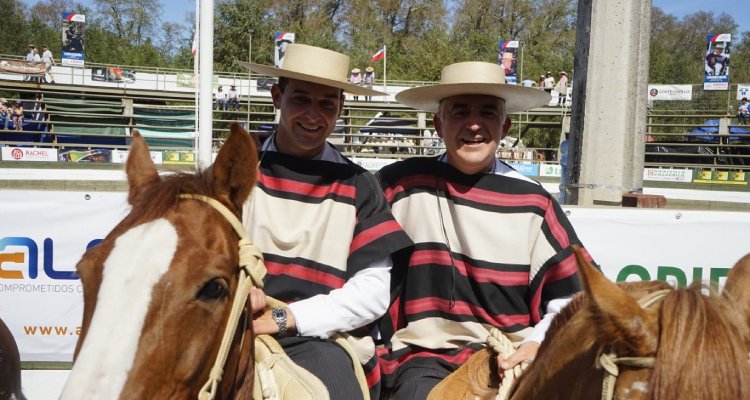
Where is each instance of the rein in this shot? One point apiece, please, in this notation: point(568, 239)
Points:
point(609, 361)
point(251, 273)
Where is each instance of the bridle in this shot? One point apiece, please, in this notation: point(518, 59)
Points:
point(251, 273)
point(609, 361)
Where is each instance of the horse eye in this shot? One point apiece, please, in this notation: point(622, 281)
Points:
point(216, 289)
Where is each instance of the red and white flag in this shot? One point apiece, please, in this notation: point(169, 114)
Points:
point(194, 50)
point(379, 55)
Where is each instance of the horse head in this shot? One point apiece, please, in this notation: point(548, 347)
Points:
point(644, 340)
point(159, 288)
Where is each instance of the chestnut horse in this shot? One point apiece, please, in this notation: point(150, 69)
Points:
point(679, 344)
point(159, 289)
point(10, 366)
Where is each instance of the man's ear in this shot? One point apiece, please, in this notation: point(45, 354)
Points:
point(438, 123)
point(506, 127)
point(276, 96)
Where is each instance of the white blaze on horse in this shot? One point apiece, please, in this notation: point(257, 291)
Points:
point(158, 290)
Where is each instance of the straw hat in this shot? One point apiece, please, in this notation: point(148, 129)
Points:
point(369, 69)
point(508, 56)
point(563, 73)
point(355, 71)
point(473, 77)
point(316, 65)
point(719, 46)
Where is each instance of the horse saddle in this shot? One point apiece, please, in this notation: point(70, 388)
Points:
point(277, 377)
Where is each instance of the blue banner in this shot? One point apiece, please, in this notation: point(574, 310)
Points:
point(507, 56)
point(72, 39)
point(716, 65)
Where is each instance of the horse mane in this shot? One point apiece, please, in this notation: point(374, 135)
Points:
point(700, 338)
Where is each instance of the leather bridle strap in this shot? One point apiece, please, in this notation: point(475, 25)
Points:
point(251, 271)
point(609, 361)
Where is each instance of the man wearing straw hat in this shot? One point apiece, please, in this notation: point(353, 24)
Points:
point(322, 222)
point(492, 247)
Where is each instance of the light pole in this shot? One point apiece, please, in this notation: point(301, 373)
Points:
point(249, 84)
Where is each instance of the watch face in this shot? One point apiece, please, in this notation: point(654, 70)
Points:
point(278, 313)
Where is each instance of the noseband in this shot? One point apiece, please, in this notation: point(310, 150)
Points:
point(251, 271)
point(609, 361)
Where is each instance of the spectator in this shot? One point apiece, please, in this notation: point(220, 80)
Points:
point(29, 59)
point(221, 98)
point(16, 115)
point(540, 83)
point(369, 80)
point(549, 82)
point(233, 98)
point(4, 113)
point(563, 196)
point(492, 248)
point(562, 89)
point(742, 111)
point(49, 61)
point(356, 79)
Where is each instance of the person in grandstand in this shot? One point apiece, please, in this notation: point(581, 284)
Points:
point(322, 222)
point(493, 249)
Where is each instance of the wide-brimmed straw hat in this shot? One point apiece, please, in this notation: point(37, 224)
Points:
point(355, 71)
point(316, 65)
point(473, 77)
point(369, 69)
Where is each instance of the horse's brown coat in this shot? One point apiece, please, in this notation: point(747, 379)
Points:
point(182, 330)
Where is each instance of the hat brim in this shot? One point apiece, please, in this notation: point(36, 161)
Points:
point(282, 73)
point(517, 98)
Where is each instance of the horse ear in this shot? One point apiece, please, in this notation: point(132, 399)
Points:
point(735, 290)
point(620, 318)
point(140, 168)
point(236, 167)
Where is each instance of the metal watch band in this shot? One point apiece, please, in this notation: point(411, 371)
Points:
point(279, 315)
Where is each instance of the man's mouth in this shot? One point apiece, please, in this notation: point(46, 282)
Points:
point(310, 128)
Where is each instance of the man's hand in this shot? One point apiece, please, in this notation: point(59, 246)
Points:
point(257, 299)
point(264, 324)
point(525, 353)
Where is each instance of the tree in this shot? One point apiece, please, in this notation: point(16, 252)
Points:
point(132, 20)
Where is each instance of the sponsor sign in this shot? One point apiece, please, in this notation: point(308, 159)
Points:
point(72, 39)
point(668, 175)
point(722, 177)
point(550, 170)
point(179, 157)
point(507, 56)
point(670, 92)
point(525, 168)
point(112, 74)
point(372, 164)
point(743, 91)
point(280, 41)
point(716, 63)
point(28, 154)
point(121, 156)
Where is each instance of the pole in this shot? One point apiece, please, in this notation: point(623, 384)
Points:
point(249, 83)
point(520, 73)
point(196, 73)
point(206, 55)
point(385, 71)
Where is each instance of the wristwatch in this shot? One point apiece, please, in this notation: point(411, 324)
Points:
point(279, 315)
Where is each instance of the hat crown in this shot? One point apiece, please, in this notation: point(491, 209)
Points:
point(472, 72)
point(316, 61)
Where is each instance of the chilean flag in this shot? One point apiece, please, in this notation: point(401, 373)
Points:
point(379, 55)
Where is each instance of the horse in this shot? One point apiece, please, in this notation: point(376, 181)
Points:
point(161, 287)
point(10, 366)
point(631, 340)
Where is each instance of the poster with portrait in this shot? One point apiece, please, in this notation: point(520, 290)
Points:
point(281, 40)
point(716, 63)
point(72, 39)
point(507, 56)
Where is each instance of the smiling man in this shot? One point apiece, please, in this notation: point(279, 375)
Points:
point(323, 225)
point(492, 247)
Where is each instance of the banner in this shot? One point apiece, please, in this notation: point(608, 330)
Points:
point(22, 67)
point(28, 154)
point(743, 91)
point(112, 74)
point(281, 40)
point(670, 92)
point(87, 156)
point(716, 65)
point(72, 39)
point(507, 56)
point(43, 234)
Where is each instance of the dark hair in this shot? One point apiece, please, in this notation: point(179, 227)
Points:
point(284, 81)
point(744, 98)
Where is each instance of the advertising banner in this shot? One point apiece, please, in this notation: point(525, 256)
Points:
point(281, 40)
point(28, 154)
point(121, 156)
point(72, 39)
point(87, 156)
point(112, 74)
point(43, 234)
point(22, 67)
point(716, 65)
point(668, 175)
point(743, 91)
point(670, 92)
point(507, 56)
